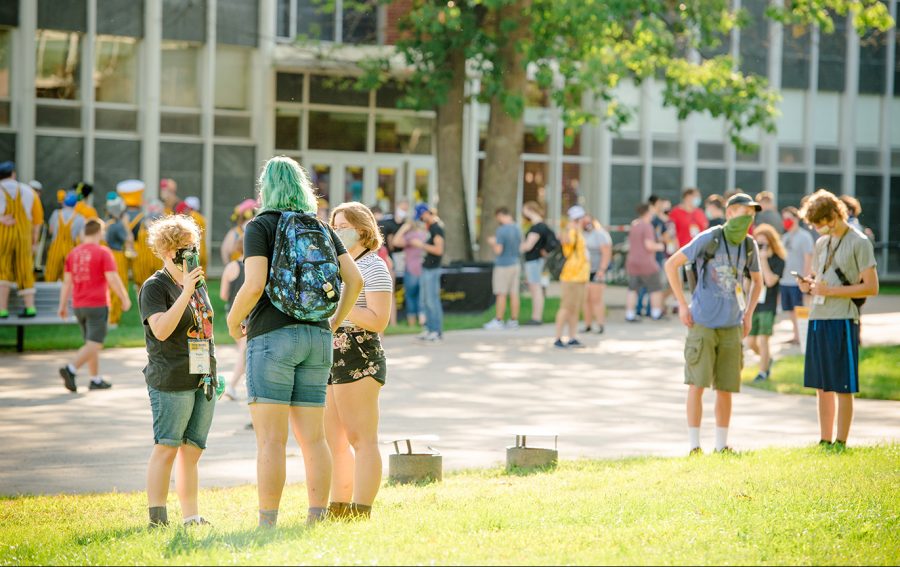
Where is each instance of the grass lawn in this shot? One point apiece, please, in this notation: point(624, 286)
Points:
point(776, 506)
point(130, 333)
point(889, 290)
point(879, 371)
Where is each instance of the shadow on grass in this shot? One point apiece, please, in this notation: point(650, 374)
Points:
point(186, 540)
point(531, 471)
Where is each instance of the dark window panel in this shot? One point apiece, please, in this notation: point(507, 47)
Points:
point(315, 19)
point(4, 113)
point(872, 58)
point(828, 156)
point(867, 157)
point(389, 95)
point(237, 22)
point(184, 20)
point(795, 58)
point(58, 116)
point(337, 131)
point(711, 181)
point(360, 22)
point(68, 15)
point(897, 68)
point(183, 162)
point(114, 161)
point(665, 182)
point(893, 266)
point(8, 145)
point(790, 154)
point(234, 169)
point(749, 181)
point(710, 151)
point(666, 149)
point(228, 126)
point(404, 135)
point(830, 181)
point(335, 90)
point(833, 57)
point(283, 15)
point(755, 39)
point(791, 188)
point(626, 147)
point(58, 163)
point(120, 17)
point(289, 87)
point(626, 193)
point(287, 129)
point(178, 123)
point(116, 120)
point(868, 193)
point(9, 13)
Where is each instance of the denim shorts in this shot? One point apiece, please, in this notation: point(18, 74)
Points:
point(289, 366)
point(181, 418)
point(534, 271)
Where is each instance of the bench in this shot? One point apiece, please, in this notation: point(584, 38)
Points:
point(46, 301)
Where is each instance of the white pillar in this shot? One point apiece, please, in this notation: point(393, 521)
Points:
point(152, 51)
point(556, 212)
point(809, 131)
point(885, 142)
point(208, 114)
point(263, 95)
point(602, 159)
point(471, 138)
point(730, 151)
point(770, 141)
point(87, 90)
point(23, 86)
point(848, 113)
point(646, 142)
point(688, 129)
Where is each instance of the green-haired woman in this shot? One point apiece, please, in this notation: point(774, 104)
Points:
point(288, 359)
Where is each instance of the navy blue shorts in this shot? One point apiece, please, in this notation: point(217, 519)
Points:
point(832, 356)
point(791, 297)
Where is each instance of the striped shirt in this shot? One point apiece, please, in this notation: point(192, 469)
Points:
point(376, 277)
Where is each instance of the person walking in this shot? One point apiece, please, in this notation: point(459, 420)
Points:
point(289, 332)
point(507, 271)
point(16, 241)
point(599, 247)
point(181, 367)
point(412, 274)
point(232, 279)
point(538, 242)
point(843, 272)
point(359, 370)
point(798, 245)
point(90, 272)
point(120, 242)
point(573, 280)
point(430, 290)
point(641, 266)
point(242, 215)
point(771, 264)
point(65, 230)
point(720, 314)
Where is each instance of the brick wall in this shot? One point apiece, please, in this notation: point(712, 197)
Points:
point(395, 10)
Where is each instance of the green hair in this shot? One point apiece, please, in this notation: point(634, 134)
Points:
point(285, 186)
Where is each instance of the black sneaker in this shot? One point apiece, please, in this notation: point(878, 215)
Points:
point(101, 385)
point(824, 444)
point(68, 379)
point(761, 377)
point(559, 344)
point(696, 452)
point(532, 323)
point(575, 343)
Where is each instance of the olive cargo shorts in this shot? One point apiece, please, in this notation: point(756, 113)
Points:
point(714, 357)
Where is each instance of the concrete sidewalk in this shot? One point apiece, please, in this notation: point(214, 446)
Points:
point(623, 395)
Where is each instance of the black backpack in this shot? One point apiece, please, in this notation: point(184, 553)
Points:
point(695, 274)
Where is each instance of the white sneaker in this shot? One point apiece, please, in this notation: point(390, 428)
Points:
point(512, 324)
point(231, 393)
point(431, 337)
point(493, 325)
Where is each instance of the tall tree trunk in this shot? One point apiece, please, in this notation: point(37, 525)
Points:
point(505, 132)
point(451, 193)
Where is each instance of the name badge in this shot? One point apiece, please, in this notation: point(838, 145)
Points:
point(818, 300)
point(739, 294)
point(198, 350)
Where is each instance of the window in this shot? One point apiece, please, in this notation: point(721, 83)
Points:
point(868, 157)
point(341, 21)
point(625, 181)
point(337, 131)
point(868, 191)
point(711, 181)
point(791, 188)
point(120, 17)
point(237, 22)
point(287, 129)
point(828, 156)
point(790, 154)
point(5, 58)
point(666, 149)
point(115, 160)
point(403, 135)
point(233, 178)
point(70, 15)
point(360, 22)
point(179, 79)
point(626, 147)
point(749, 181)
point(872, 58)
point(232, 69)
point(58, 160)
point(755, 39)
point(833, 57)
point(283, 16)
point(315, 20)
point(335, 90)
point(666, 183)
point(830, 181)
point(289, 87)
point(58, 65)
point(710, 152)
point(115, 71)
point(184, 20)
point(795, 58)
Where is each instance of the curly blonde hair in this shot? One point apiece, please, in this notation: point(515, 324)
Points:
point(361, 218)
point(823, 206)
point(171, 233)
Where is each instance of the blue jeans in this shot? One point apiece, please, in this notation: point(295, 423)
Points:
point(411, 288)
point(430, 292)
point(289, 366)
point(181, 418)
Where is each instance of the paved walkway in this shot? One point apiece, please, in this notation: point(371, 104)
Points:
point(623, 395)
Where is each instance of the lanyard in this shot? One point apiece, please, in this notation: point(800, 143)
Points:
point(832, 251)
point(737, 260)
point(196, 306)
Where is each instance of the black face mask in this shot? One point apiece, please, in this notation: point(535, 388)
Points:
point(182, 252)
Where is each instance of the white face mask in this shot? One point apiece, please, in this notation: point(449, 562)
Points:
point(348, 236)
point(400, 215)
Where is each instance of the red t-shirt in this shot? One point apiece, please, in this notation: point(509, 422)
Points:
point(88, 264)
point(688, 224)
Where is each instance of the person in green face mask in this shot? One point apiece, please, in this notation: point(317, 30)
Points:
point(720, 313)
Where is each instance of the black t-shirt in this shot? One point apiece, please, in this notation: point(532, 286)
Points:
point(432, 260)
point(259, 240)
point(544, 235)
point(776, 264)
point(716, 222)
point(168, 361)
point(389, 228)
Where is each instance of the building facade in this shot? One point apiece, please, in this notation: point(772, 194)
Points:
point(204, 91)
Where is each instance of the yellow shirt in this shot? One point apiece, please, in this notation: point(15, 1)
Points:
point(85, 210)
point(577, 268)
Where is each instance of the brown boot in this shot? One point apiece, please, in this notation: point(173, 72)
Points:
point(339, 510)
point(316, 515)
point(360, 511)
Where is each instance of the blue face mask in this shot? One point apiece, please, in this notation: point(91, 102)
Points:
point(697, 201)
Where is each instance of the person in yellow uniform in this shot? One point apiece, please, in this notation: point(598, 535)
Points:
point(191, 207)
point(145, 263)
point(65, 229)
point(84, 205)
point(37, 217)
point(121, 242)
point(573, 279)
point(168, 192)
point(16, 240)
point(243, 213)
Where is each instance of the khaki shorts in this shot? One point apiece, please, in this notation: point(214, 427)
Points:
point(572, 296)
point(506, 280)
point(714, 357)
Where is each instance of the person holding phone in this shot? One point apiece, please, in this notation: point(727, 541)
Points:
point(843, 270)
point(181, 366)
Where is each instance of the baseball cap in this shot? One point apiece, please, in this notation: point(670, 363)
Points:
point(192, 202)
point(7, 168)
point(576, 212)
point(71, 199)
point(743, 199)
point(421, 209)
point(36, 185)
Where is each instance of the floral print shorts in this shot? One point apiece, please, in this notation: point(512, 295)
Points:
point(357, 354)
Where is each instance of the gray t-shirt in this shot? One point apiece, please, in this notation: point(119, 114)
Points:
point(714, 303)
point(595, 240)
point(853, 254)
point(510, 238)
point(798, 244)
point(116, 234)
point(771, 218)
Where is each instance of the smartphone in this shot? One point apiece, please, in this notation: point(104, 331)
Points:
point(193, 262)
point(796, 275)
